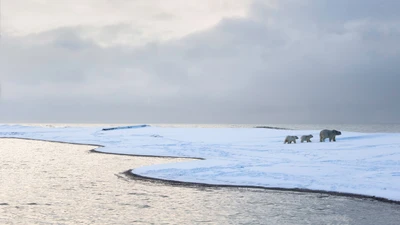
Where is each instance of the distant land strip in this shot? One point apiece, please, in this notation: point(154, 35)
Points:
point(275, 128)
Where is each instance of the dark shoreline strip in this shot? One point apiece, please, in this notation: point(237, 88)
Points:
point(152, 156)
point(134, 176)
point(125, 127)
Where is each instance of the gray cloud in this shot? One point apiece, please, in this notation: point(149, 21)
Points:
point(314, 61)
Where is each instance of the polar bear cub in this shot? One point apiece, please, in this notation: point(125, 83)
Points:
point(306, 138)
point(290, 139)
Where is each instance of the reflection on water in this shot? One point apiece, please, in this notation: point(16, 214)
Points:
point(53, 183)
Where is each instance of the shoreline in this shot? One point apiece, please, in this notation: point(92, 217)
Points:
point(134, 176)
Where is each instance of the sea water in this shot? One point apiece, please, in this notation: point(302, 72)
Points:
point(364, 128)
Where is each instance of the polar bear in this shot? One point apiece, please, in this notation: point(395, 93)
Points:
point(331, 134)
point(306, 138)
point(290, 139)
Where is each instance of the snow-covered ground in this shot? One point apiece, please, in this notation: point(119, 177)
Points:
point(358, 163)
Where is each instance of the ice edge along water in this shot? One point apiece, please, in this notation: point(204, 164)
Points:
point(358, 163)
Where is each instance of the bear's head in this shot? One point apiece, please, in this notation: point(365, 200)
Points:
point(336, 132)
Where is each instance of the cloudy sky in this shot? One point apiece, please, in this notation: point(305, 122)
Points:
point(200, 61)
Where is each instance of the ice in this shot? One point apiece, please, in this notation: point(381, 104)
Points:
point(357, 163)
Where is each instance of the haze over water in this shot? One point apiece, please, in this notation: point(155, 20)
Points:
point(365, 128)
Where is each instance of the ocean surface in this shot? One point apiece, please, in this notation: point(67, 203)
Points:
point(53, 183)
point(364, 128)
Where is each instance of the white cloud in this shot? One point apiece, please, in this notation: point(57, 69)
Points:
point(136, 22)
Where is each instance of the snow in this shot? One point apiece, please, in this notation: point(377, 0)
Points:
point(357, 163)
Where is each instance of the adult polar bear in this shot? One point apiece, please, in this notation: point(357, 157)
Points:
point(331, 134)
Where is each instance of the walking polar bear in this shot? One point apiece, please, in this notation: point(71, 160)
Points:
point(290, 139)
point(331, 134)
point(306, 138)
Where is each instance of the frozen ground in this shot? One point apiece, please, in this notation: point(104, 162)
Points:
point(357, 163)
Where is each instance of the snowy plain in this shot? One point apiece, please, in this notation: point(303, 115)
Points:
point(358, 163)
